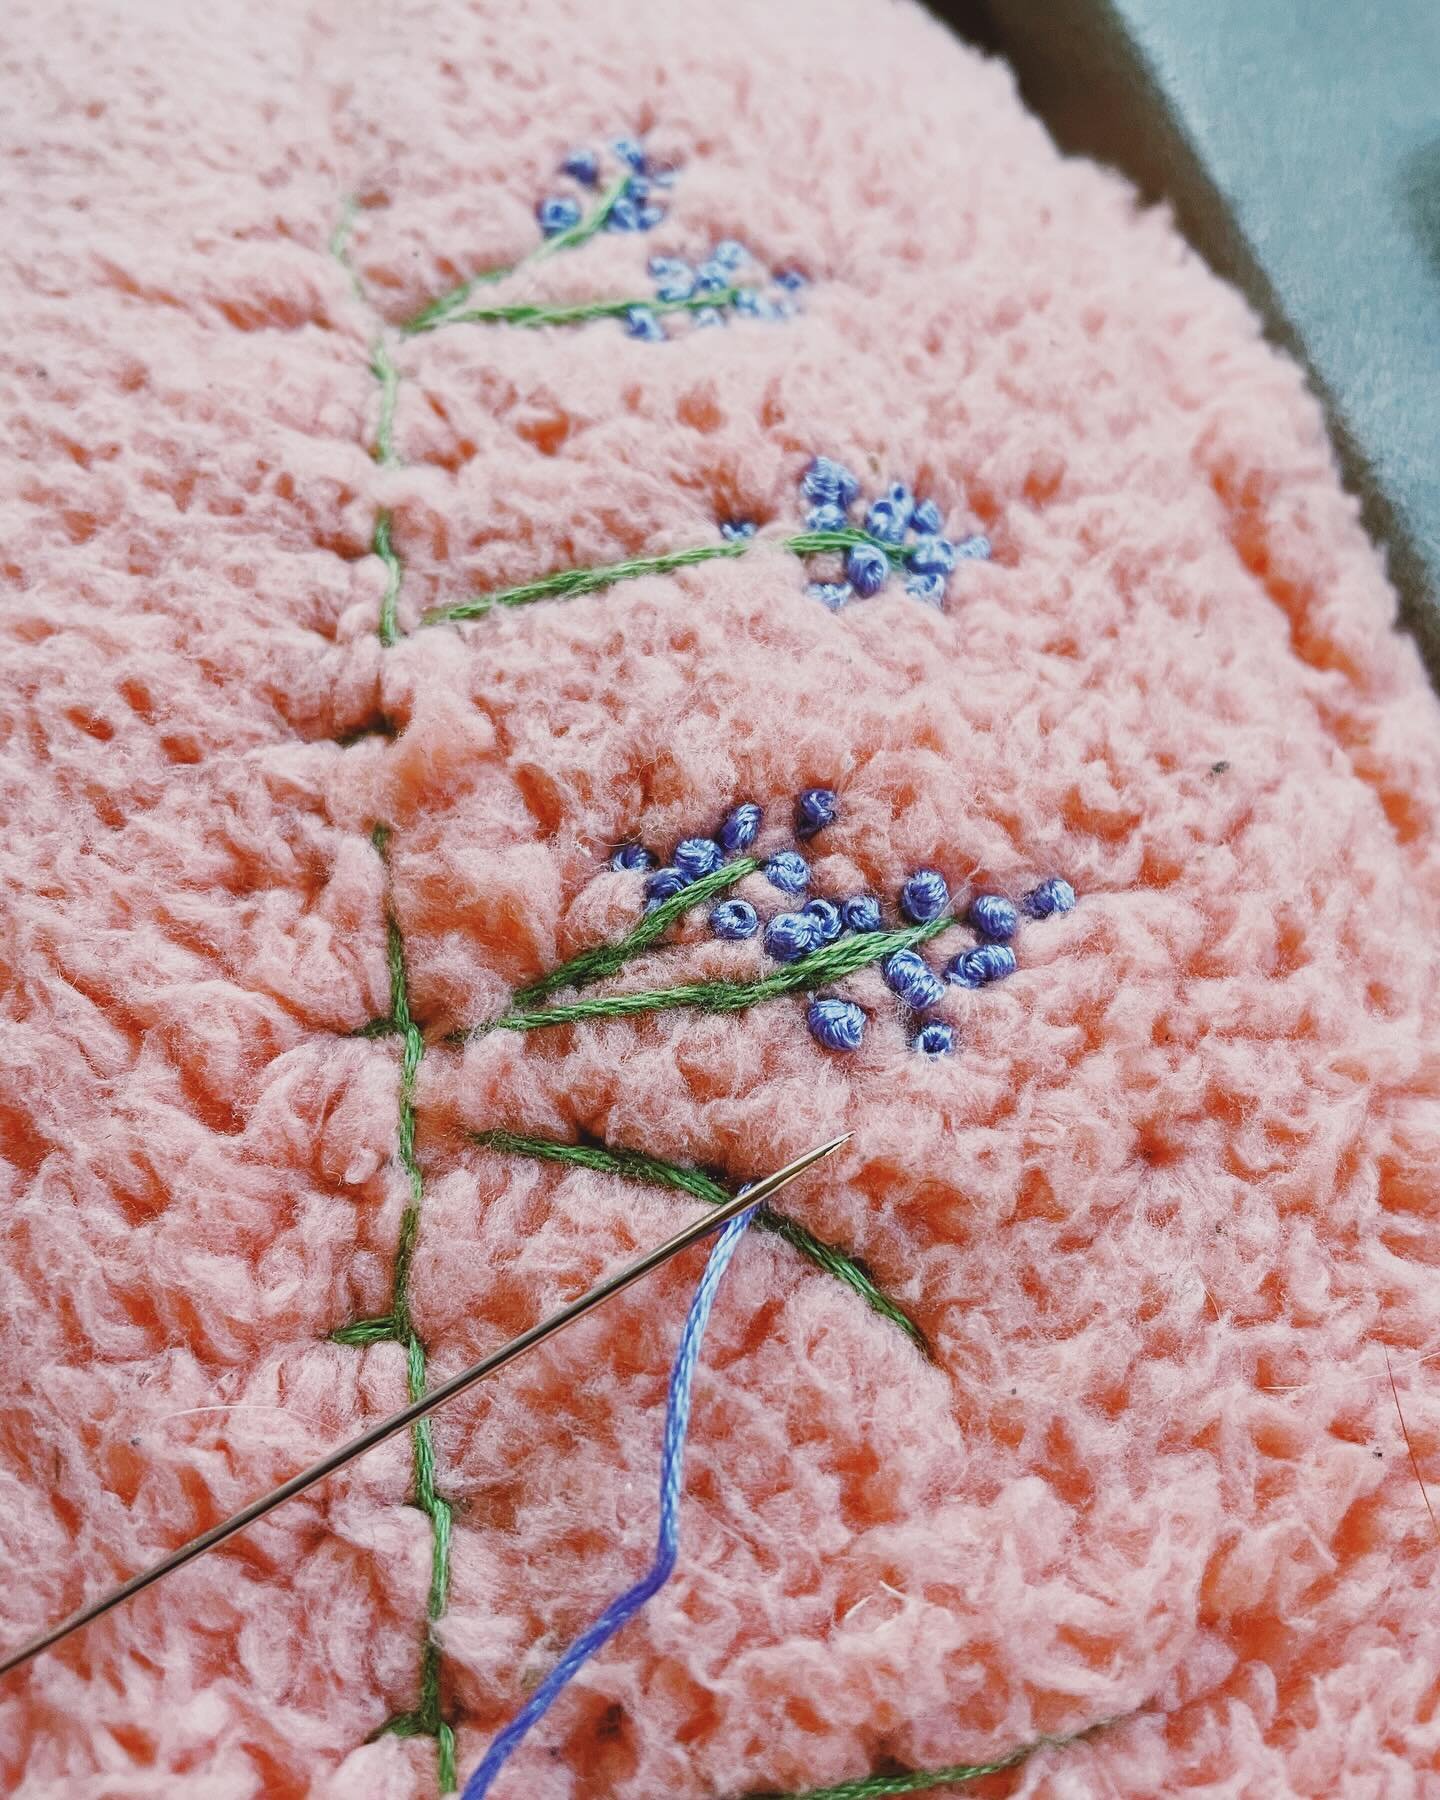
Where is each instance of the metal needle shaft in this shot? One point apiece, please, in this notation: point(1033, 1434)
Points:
point(427, 1403)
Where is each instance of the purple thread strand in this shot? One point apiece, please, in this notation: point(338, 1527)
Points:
point(667, 1546)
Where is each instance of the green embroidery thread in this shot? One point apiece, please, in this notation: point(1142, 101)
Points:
point(634, 1165)
point(397, 1327)
point(444, 310)
point(831, 963)
point(568, 584)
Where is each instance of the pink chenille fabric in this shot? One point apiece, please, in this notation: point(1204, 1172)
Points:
point(1163, 1214)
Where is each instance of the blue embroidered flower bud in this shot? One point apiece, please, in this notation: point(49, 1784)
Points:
point(974, 549)
point(867, 568)
point(736, 531)
point(815, 809)
point(932, 556)
point(929, 588)
point(557, 214)
point(788, 871)
point(837, 1024)
point(828, 916)
point(1052, 896)
point(986, 962)
point(729, 254)
point(707, 315)
point(664, 884)
point(903, 501)
point(994, 917)
point(927, 519)
point(935, 1039)
point(924, 896)
point(712, 277)
point(631, 152)
point(833, 594)
point(791, 279)
point(676, 283)
point(862, 913)
point(828, 517)
point(641, 323)
point(750, 302)
point(789, 936)
point(912, 978)
point(697, 856)
point(582, 166)
point(827, 480)
point(887, 521)
point(624, 215)
point(632, 856)
point(741, 827)
point(734, 919)
point(649, 217)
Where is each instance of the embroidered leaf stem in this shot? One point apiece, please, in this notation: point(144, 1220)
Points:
point(831, 963)
point(606, 959)
point(567, 584)
point(654, 1172)
point(920, 1781)
point(449, 307)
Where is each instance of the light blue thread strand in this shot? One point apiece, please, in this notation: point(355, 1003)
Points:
point(667, 1546)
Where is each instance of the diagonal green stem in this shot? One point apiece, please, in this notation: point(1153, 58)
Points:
point(633, 1165)
point(919, 1781)
point(443, 311)
point(831, 963)
point(606, 959)
point(567, 584)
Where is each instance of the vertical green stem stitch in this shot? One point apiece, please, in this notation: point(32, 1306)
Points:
point(382, 367)
point(634, 1165)
point(397, 1327)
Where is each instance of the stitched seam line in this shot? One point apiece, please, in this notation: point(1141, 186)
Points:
point(634, 1165)
point(398, 1327)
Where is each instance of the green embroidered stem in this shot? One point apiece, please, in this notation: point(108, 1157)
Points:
point(396, 1327)
point(443, 310)
point(566, 584)
point(382, 367)
point(816, 970)
point(633, 1165)
point(385, 372)
point(530, 314)
point(918, 1781)
point(394, 573)
point(606, 959)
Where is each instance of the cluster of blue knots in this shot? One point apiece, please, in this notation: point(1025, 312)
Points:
point(720, 275)
point(637, 208)
point(787, 936)
point(907, 531)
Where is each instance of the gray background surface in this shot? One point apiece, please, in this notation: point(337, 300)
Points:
point(1299, 143)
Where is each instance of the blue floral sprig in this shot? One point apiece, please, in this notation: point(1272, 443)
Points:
point(902, 532)
point(811, 924)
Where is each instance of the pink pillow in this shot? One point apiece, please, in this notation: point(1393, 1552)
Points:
point(1159, 1215)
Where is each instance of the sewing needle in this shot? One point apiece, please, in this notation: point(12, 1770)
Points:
point(427, 1403)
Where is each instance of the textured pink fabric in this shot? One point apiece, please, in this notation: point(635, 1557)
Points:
point(1161, 1213)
